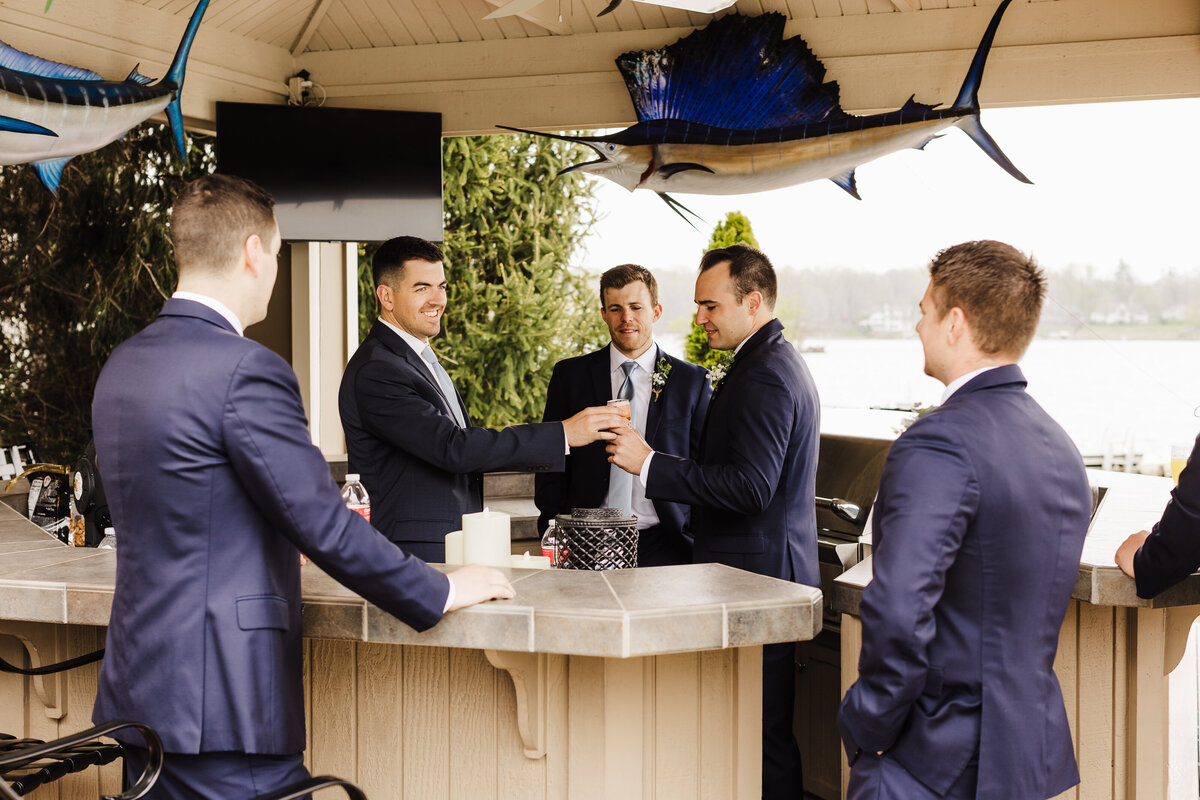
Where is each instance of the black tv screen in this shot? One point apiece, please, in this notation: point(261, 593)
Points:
point(338, 174)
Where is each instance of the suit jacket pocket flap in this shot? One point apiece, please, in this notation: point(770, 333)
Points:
point(737, 544)
point(263, 611)
point(947, 725)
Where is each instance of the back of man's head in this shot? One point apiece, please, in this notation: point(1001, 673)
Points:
point(625, 274)
point(387, 267)
point(999, 289)
point(749, 268)
point(212, 218)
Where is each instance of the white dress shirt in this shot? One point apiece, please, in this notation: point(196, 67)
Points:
point(642, 508)
point(216, 305)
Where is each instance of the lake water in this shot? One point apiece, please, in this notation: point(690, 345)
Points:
point(1110, 396)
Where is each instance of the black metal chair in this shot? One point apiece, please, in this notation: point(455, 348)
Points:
point(26, 764)
point(313, 784)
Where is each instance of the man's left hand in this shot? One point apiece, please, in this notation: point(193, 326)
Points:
point(629, 450)
point(1128, 550)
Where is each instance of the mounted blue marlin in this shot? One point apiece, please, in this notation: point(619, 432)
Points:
point(734, 108)
point(51, 112)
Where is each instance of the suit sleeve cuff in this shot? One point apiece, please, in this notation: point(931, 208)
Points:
point(644, 472)
point(566, 444)
point(449, 595)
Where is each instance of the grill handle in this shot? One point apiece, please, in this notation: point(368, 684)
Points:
point(843, 508)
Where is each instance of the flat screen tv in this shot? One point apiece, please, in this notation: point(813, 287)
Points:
point(338, 174)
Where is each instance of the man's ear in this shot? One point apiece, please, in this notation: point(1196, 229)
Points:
point(383, 293)
point(657, 312)
point(754, 302)
point(252, 250)
point(958, 325)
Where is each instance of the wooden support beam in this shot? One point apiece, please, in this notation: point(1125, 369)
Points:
point(314, 21)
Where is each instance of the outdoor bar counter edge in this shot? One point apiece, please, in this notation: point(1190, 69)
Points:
point(636, 683)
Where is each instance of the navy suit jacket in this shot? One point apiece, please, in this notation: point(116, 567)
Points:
point(215, 489)
point(978, 528)
point(1172, 551)
point(752, 484)
point(673, 424)
point(422, 471)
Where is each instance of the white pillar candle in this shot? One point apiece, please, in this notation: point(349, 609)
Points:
point(531, 562)
point(454, 547)
point(487, 538)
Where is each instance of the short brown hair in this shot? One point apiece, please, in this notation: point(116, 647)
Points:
point(212, 218)
point(749, 268)
point(999, 289)
point(622, 276)
point(388, 264)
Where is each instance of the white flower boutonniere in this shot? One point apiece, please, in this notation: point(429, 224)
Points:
point(717, 374)
point(662, 370)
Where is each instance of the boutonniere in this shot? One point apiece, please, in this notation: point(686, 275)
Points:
point(662, 370)
point(716, 374)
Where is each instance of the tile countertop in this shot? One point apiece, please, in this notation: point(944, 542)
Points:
point(620, 613)
point(1131, 503)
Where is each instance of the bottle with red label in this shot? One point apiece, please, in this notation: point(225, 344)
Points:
point(355, 496)
point(550, 543)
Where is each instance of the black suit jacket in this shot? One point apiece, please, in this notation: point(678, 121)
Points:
point(752, 486)
point(422, 471)
point(673, 425)
point(1172, 551)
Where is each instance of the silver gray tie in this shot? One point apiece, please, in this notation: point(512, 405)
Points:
point(443, 379)
point(620, 482)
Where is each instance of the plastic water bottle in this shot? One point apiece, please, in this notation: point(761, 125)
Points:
point(355, 496)
point(550, 543)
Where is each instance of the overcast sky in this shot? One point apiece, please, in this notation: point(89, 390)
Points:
point(1112, 181)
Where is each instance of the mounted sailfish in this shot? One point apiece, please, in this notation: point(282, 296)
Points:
point(734, 108)
point(51, 112)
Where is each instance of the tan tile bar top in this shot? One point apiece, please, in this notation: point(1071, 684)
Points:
point(1131, 503)
point(616, 614)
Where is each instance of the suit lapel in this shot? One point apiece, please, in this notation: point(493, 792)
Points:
point(601, 376)
point(654, 412)
point(389, 339)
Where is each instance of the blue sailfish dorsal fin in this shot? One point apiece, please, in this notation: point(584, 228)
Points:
point(20, 61)
point(912, 108)
point(138, 77)
point(738, 73)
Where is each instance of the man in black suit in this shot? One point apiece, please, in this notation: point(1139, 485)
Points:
point(752, 483)
point(668, 401)
point(407, 430)
point(1158, 559)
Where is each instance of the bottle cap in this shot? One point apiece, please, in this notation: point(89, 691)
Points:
point(351, 477)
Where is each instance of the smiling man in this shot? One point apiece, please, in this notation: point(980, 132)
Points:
point(668, 400)
point(407, 430)
point(752, 482)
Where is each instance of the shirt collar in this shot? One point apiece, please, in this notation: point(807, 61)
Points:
point(961, 381)
point(216, 305)
point(646, 360)
point(416, 344)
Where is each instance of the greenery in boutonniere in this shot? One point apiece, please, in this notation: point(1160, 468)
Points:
point(662, 369)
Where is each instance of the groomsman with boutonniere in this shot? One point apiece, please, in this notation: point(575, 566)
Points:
point(668, 400)
point(752, 482)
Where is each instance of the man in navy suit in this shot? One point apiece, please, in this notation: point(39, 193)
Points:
point(216, 489)
point(1159, 558)
point(752, 482)
point(407, 430)
point(668, 398)
point(978, 527)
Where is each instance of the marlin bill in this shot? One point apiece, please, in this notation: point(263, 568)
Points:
point(735, 108)
point(51, 112)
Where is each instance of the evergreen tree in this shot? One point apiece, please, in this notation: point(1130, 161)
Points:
point(514, 305)
point(735, 229)
point(80, 274)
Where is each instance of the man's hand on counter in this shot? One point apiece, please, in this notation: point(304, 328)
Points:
point(476, 583)
point(1128, 550)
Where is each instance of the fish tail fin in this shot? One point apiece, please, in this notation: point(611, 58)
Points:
point(174, 76)
point(974, 128)
point(968, 95)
